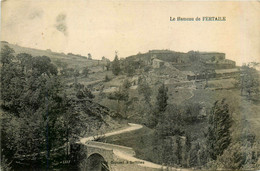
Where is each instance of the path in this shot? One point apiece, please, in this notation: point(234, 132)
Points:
point(132, 127)
point(128, 156)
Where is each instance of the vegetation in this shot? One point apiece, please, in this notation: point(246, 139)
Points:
point(32, 102)
point(107, 78)
point(116, 66)
point(89, 56)
point(129, 67)
point(249, 81)
point(146, 91)
point(85, 72)
point(46, 106)
point(40, 118)
point(177, 140)
point(121, 95)
point(162, 98)
point(219, 138)
point(193, 56)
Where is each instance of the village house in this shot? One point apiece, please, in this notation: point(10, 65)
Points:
point(157, 63)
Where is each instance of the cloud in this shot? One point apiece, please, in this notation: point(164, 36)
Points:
point(61, 24)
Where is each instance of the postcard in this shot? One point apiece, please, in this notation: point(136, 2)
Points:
point(138, 85)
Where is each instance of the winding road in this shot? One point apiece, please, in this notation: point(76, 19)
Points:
point(127, 156)
point(132, 127)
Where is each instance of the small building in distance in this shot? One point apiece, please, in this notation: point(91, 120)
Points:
point(157, 63)
point(212, 56)
point(216, 60)
point(167, 55)
point(227, 72)
point(183, 61)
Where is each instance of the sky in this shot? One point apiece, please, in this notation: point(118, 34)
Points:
point(129, 27)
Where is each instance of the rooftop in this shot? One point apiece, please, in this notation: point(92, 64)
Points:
point(222, 71)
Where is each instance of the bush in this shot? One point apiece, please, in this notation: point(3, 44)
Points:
point(192, 113)
point(232, 158)
point(107, 78)
point(85, 72)
point(5, 165)
point(147, 68)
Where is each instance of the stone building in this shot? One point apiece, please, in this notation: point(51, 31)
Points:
point(157, 63)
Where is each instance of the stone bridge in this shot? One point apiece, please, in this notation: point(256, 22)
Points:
point(109, 157)
point(100, 156)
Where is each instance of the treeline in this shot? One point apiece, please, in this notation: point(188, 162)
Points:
point(39, 119)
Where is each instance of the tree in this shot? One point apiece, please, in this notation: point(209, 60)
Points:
point(12, 83)
point(130, 70)
point(25, 61)
point(82, 92)
point(89, 56)
point(116, 65)
point(170, 124)
point(71, 121)
point(8, 71)
point(192, 111)
point(108, 65)
point(194, 155)
point(162, 98)
point(36, 118)
point(234, 157)
point(168, 157)
point(248, 81)
point(31, 109)
point(5, 166)
point(119, 95)
point(42, 65)
point(75, 75)
point(187, 149)
point(193, 56)
point(107, 78)
point(126, 84)
point(128, 67)
point(187, 142)
point(219, 136)
point(7, 55)
point(85, 71)
point(179, 150)
point(146, 91)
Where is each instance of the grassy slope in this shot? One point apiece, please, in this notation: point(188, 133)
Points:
point(140, 140)
point(245, 112)
point(73, 61)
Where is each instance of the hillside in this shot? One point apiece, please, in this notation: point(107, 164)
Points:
point(183, 73)
point(74, 61)
point(39, 109)
point(104, 100)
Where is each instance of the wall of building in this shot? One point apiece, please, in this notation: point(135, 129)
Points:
point(211, 56)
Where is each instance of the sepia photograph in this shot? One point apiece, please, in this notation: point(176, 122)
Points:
point(137, 85)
